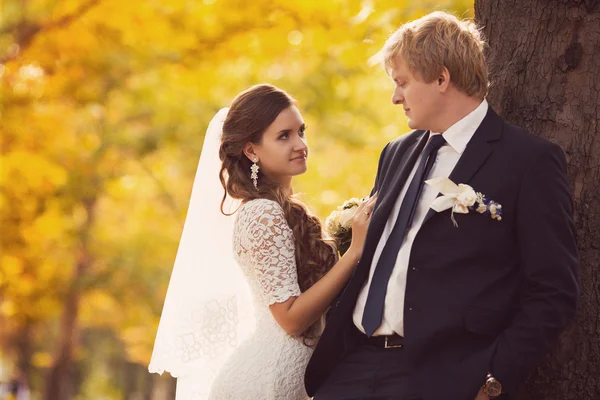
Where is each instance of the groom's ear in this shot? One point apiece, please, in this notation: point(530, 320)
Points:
point(443, 80)
point(249, 152)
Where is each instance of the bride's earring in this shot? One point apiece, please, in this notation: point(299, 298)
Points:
point(254, 168)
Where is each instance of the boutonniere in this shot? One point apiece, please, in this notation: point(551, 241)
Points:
point(462, 199)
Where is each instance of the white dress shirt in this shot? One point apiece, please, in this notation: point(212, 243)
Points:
point(457, 137)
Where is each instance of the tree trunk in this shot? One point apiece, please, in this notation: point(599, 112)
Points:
point(544, 58)
point(58, 385)
point(25, 350)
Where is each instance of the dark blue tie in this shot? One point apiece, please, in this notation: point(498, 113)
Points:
point(373, 313)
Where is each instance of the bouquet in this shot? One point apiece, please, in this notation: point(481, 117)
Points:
point(339, 223)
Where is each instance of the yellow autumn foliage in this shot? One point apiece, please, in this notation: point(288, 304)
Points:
point(103, 109)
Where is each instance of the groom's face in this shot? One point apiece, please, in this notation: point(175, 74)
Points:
point(421, 101)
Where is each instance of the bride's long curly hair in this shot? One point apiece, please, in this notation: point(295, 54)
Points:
point(250, 114)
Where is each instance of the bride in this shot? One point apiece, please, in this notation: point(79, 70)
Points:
point(227, 334)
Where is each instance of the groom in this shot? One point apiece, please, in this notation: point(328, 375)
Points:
point(462, 302)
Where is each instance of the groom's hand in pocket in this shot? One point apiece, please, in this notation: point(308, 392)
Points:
point(481, 395)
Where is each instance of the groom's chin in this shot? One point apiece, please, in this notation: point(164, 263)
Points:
point(412, 124)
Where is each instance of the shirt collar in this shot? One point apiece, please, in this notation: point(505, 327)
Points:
point(459, 134)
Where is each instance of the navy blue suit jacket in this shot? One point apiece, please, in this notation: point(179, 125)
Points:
point(488, 295)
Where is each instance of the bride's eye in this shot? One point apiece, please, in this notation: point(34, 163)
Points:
point(302, 131)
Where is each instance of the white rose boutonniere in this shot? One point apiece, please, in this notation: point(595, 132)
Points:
point(462, 199)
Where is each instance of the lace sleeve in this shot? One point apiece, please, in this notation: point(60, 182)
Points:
point(270, 249)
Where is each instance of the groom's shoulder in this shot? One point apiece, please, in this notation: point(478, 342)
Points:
point(407, 138)
point(521, 140)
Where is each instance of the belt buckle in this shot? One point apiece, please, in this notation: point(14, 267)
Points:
point(391, 346)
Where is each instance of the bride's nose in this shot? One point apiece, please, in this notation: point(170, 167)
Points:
point(300, 145)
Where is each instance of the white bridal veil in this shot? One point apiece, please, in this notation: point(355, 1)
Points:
point(208, 309)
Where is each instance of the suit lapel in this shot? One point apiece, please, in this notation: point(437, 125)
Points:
point(401, 165)
point(477, 151)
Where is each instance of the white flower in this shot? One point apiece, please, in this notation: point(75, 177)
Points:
point(460, 198)
point(467, 195)
point(457, 197)
point(332, 222)
point(341, 219)
point(346, 217)
point(350, 203)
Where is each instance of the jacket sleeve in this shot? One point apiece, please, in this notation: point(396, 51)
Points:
point(549, 265)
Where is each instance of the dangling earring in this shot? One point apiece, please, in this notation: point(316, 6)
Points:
point(254, 176)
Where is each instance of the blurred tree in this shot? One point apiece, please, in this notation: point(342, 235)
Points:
point(545, 68)
point(104, 105)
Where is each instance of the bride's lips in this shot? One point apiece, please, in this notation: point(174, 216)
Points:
point(299, 158)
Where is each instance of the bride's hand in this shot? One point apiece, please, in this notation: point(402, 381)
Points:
point(360, 224)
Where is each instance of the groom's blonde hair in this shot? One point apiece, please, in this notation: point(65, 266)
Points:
point(439, 40)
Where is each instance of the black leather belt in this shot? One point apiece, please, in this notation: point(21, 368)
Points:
point(386, 342)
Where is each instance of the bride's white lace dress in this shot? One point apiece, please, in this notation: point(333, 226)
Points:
point(270, 364)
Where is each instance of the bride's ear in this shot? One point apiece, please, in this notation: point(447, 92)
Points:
point(249, 152)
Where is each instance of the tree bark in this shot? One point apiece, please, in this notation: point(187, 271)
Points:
point(544, 58)
point(25, 350)
point(58, 380)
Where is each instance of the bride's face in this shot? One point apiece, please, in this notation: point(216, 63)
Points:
point(283, 150)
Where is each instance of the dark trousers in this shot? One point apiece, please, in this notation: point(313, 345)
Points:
point(368, 372)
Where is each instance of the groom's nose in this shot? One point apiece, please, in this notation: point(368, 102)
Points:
point(397, 97)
